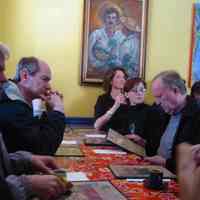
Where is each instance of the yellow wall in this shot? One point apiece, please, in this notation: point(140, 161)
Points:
point(1, 22)
point(169, 35)
point(52, 30)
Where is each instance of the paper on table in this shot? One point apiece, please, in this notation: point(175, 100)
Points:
point(142, 179)
point(95, 135)
point(106, 151)
point(69, 142)
point(135, 179)
point(76, 176)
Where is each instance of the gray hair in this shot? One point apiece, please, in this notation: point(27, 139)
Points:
point(5, 50)
point(31, 64)
point(172, 79)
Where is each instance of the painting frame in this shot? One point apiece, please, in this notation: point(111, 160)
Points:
point(194, 55)
point(122, 48)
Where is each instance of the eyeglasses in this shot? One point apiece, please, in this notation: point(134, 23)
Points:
point(138, 90)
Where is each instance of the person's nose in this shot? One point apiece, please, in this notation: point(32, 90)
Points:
point(48, 86)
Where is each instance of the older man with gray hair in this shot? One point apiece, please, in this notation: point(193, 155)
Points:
point(14, 185)
point(21, 129)
point(181, 125)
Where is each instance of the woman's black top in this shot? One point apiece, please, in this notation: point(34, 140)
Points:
point(126, 119)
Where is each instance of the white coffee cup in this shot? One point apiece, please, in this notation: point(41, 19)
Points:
point(38, 107)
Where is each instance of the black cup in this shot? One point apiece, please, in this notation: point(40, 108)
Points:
point(155, 180)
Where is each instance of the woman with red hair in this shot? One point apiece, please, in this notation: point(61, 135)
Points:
point(135, 90)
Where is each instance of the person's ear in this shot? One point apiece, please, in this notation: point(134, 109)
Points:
point(176, 90)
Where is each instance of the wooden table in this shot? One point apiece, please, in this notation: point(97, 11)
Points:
point(96, 166)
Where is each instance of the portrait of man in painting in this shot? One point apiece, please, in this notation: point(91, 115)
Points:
point(113, 36)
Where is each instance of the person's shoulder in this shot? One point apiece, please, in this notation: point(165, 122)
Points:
point(155, 110)
point(104, 97)
point(146, 108)
point(139, 108)
point(11, 111)
point(105, 100)
point(192, 106)
point(145, 105)
point(14, 105)
point(155, 107)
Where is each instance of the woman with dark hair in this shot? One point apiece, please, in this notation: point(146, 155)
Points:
point(135, 90)
point(111, 106)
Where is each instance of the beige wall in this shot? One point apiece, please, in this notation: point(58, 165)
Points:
point(1, 22)
point(52, 30)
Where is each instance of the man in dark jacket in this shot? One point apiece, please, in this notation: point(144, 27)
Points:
point(20, 128)
point(5, 190)
point(182, 124)
point(13, 168)
point(13, 185)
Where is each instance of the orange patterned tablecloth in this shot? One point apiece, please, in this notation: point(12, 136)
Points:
point(96, 166)
point(136, 191)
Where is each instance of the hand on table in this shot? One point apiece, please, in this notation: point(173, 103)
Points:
point(44, 164)
point(156, 160)
point(47, 187)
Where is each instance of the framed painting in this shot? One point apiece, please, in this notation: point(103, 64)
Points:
point(194, 68)
point(114, 35)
